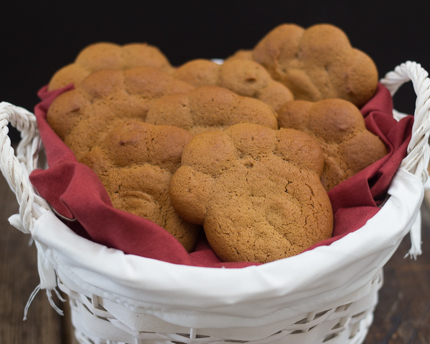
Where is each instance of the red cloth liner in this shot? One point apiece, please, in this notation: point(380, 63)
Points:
point(75, 192)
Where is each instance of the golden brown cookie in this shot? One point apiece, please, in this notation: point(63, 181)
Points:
point(317, 63)
point(209, 108)
point(242, 55)
point(244, 77)
point(339, 128)
point(103, 55)
point(255, 190)
point(135, 163)
point(105, 99)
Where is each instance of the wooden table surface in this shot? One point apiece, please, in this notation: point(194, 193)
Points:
point(401, 317)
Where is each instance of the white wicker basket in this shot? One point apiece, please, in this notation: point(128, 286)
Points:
point(326, 295)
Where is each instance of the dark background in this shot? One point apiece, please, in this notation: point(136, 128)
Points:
point(39, 37)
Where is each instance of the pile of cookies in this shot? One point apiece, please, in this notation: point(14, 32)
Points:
point(244, 151)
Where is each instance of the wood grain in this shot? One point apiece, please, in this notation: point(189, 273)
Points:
point(18, 274)
point(403, 312)
point(401, 317)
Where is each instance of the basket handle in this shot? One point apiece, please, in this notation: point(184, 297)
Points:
point(418, 152)
point(16, 169)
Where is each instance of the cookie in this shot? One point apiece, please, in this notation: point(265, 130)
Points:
point(317, 63)
point(255, 190)
point(105, 99)
point(105, 55)
point(135, 163)
point(339, 128)
point(242, 76)
point(209, 108)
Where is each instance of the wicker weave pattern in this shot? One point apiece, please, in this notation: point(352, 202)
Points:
point(418, 150)
point(17, 169)
point(417, 160)
point(345, 323)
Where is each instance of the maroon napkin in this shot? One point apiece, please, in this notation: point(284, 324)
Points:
point(76, 193)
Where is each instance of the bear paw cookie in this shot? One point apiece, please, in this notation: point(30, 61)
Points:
point(255, 190)
point(105, 99)
point(135, 163)
point(317, 63)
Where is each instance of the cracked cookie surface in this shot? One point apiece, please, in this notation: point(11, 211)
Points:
point(255, 190)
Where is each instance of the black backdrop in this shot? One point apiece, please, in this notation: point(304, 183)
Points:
point(39, 37)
